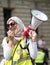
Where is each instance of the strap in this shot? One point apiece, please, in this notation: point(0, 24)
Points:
point(26, 46)
point(33, 61)
point(14, 51)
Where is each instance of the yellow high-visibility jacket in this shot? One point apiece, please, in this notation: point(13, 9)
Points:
point(40, 57)
point(20, 56)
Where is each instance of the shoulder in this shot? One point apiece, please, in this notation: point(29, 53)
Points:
point(4, 39)
point(4, 42)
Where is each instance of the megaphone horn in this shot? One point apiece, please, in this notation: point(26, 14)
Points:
point(37, 18)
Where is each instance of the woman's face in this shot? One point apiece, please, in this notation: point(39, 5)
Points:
point(12, 25)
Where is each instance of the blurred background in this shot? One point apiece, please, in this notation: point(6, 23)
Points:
point(22, 9)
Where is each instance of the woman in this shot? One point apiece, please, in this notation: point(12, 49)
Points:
point(12, 51)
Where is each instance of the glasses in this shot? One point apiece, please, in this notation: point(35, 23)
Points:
point(12, 24)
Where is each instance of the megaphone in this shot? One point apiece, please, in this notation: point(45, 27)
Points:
point(38, 17)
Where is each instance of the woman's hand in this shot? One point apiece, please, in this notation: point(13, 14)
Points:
point(33, 35)
point(11, 35)
point(11, 38)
